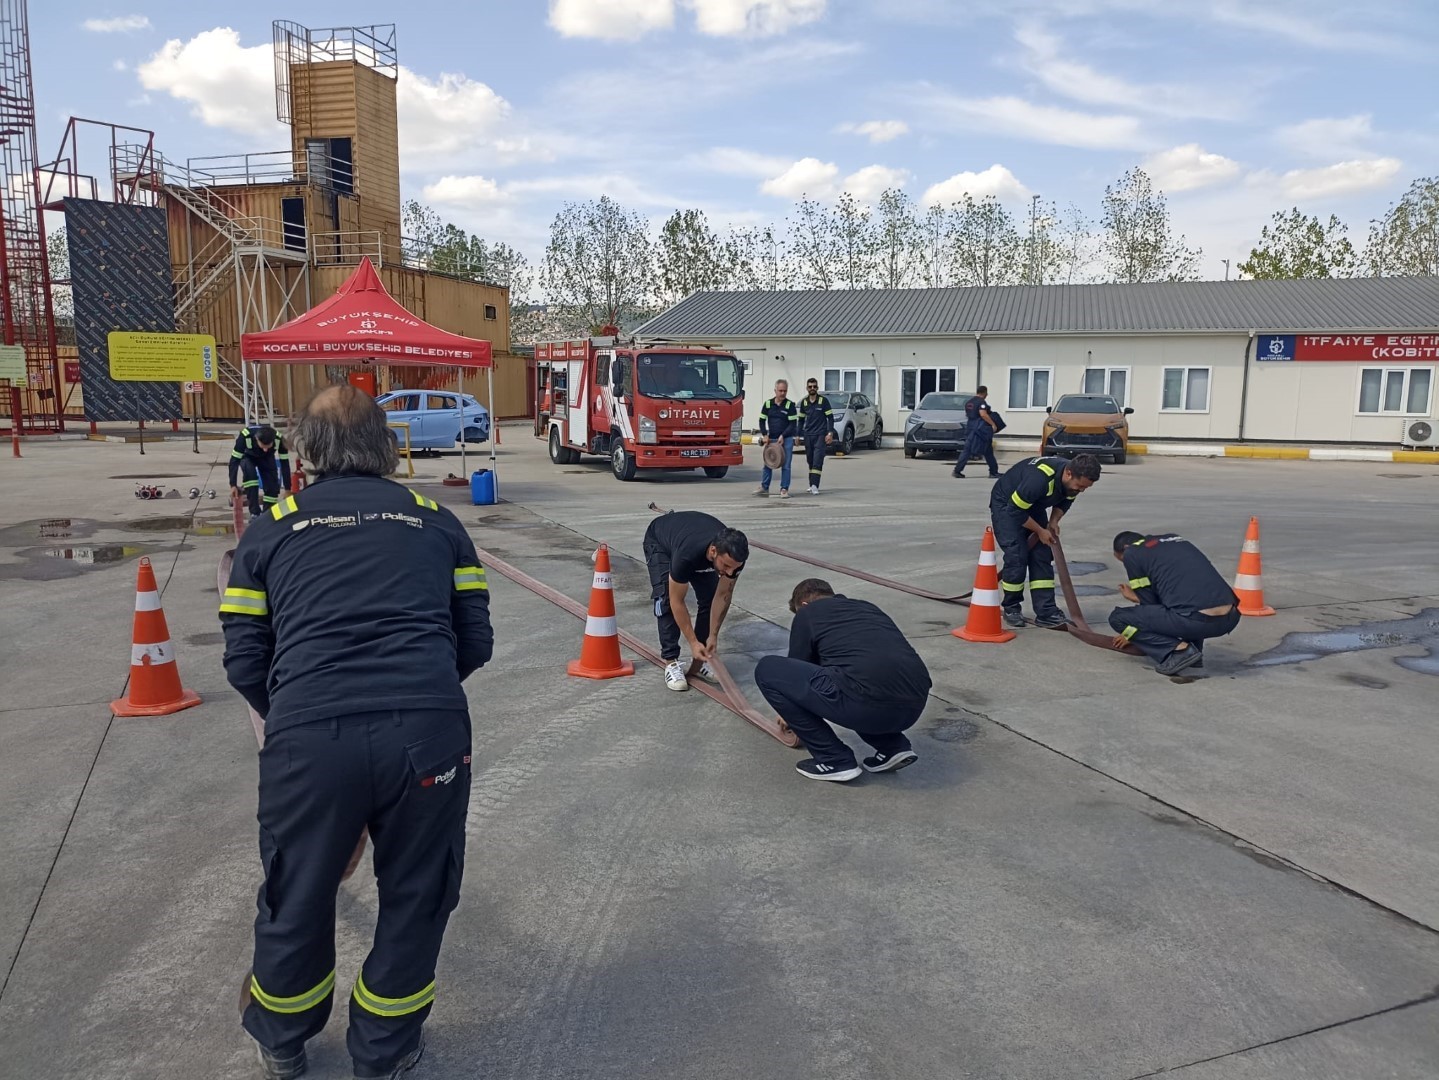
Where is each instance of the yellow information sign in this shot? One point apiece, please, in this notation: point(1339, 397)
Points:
point(139, 356)
point(12, 365)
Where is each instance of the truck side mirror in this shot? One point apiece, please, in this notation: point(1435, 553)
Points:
point(617, 381)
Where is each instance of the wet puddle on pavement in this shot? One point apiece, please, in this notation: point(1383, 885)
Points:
point(1421, 629)
point(61, 557)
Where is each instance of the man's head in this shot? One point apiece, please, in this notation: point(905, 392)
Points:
point(807, 591)
point(812, 387)
point(1080, 474)
point(781, 388)
point(342, 432)
point(982, 392)
point(265, 436)
point(728, 552)
point(1124, 540)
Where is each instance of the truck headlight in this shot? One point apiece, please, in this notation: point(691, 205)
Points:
point(648, 434)
point(735, 429)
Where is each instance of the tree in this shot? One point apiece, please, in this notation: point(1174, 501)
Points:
point(813, 245)
point(1405, 241)
point(984, 247)
point(932, 243)
point(690, 257)
point(1136, 242)
point(57, 250)
point(898, 241)
point(1069, 247)
point(854, 243)
point(599, 264)
point(1299, 246)
point(761, 259)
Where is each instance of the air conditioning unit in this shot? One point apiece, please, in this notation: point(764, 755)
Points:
point(1417, 434)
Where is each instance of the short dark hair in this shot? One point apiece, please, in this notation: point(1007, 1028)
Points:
point(733, 543)
point(341, 431)
point(1125, 539)
point(982, 390)
point(811, 588)
point(1084, 466)
point(265, 435)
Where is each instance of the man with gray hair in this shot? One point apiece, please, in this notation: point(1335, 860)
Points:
point(354, 612)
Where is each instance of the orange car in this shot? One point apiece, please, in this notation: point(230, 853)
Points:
point(1086, 424)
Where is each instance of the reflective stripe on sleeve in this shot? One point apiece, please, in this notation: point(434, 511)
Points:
point(1128, 632)
point(245, 602)
point(284, 507)
point(1047, 470)
point(1014, 498)
point(297, 1004)
point(420, 500)
point(236, 454)
point(381, 1006)
point(470, 577)
point(250, 484)
point(1139, 583)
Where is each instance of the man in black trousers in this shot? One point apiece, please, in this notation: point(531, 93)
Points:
point(848, 663)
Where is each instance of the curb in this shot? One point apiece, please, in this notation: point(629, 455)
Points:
point(1267, 453)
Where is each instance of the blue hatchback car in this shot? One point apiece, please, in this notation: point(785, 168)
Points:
point(435, 417)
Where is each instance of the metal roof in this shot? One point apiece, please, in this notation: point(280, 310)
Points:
point(1311, 306)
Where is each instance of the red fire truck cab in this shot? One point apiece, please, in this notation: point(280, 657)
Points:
point(642, 405)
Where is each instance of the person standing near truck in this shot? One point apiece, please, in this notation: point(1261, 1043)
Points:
point(778, 423)
point(817, 425)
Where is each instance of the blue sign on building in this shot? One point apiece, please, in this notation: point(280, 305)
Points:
point(1274, 347)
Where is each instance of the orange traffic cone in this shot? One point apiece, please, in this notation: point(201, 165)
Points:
point(155, 688)
point(600, 653)
point(983, 623)
point(1247, 585)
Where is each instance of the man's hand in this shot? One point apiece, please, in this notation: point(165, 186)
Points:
point(1120, 643)
point(1128, 593)
point(1046, 536)
point(234, 496)
point(829, 438)
point(764, 440)
point(702, 652)
point(1053, 531)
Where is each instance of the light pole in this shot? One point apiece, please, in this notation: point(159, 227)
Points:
point(1226, 268)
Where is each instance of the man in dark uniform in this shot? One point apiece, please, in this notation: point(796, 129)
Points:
point(1181, 598)
point(1029, 500)
point(259, 468)
point(354, 612)
point(686, 549)
point(817, 425)
point(778, 423)
point(979, 432)
point(849, 664)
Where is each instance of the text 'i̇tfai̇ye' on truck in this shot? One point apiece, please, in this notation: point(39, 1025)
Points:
point(644, 405)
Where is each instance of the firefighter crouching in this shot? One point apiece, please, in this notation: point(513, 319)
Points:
point(1030, 499)
point(259, 468)
point(353, 614)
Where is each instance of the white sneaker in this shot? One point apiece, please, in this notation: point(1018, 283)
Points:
point(707, 673)
point(813, 490)
point(675, 675)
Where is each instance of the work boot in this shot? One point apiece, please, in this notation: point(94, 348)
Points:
point(1014, 618)
point(1051, 620)
point(404, 1065)
point(1178, 660)
point(278, 1068)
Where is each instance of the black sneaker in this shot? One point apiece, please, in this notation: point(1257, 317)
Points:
point(1051, 620)
point(1014, 618)
point(278, 1068)
point(1178, 660)
point(959, 476)
point(818, 770)
point(404, 1065)
point(889, 762)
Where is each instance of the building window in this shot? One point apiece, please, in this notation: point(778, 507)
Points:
point(1395, 391)
point(491, 312)
point(1186, 389)
point(914, 383)
point(1113, 381)
point(853, 380)
point(1029, 387)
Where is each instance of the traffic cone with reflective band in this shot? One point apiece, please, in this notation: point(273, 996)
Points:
point(155, 688)
point(1247, 585)
point(600, 653)
point(984, 623)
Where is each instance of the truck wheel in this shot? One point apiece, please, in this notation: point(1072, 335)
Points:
point(876, 441)
point(622, 463)
point(910, 452)
point(560, 454)
point(716, 472)
point(846, 441)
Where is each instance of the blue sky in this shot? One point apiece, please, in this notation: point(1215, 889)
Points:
point(1238, 108)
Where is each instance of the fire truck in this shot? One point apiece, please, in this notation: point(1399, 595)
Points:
point(643, 405)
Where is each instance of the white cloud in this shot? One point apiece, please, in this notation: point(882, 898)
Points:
point(877, 131)
point(1342, 178)
point(121, 25)
point(1328, 137)
point(807, 176)
point(227, 84)
point(463, 190)
point(625, 20)
point(1302, 24)
point(867, 183)
point(995, 180)
point(119, 65)
point(1016, 118)
point(1184, 168)
point(733, 161)
point(445, 115)
point(756, 17)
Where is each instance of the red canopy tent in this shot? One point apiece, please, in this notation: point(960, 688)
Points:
point(363, 324)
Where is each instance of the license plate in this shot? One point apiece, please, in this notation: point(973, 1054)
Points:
point(694, 453)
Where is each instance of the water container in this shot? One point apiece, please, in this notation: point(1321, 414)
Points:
point(484, 491)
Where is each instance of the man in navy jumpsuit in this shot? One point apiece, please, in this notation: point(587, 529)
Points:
point(979, 431)
point(817, 423)
point(1029, 500)
point(259, 468)
point(352, 615)
point(1181, 600)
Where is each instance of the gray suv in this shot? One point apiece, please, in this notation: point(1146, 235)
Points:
point(856, 420)
point(938, 424)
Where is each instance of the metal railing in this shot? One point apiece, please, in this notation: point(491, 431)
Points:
point(270, 167)
point(441, 259)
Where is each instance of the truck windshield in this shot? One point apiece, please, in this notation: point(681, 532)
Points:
point(698, 376)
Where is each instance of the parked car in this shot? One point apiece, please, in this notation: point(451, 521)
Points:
point(856, 420)
point(938, 424)
point(435, 419)
point(1088, 424)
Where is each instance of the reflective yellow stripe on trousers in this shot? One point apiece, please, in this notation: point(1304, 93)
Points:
point(381, 1006)
point(297, 1004)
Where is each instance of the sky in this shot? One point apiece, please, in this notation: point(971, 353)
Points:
point(1236, 108)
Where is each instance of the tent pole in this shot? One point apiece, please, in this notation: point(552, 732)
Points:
point(494, 424)
point(460, 380)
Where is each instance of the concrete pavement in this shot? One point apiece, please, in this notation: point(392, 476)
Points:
point(1092, 871)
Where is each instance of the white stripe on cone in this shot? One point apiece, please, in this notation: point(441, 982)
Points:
point(987, 558)
point(601, 626)
point(1251, 546)
point(158, 653)
point(147, 601)
point(985, 598)
point(603, 581)
point(1247, 581)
